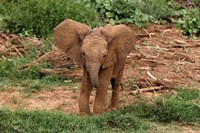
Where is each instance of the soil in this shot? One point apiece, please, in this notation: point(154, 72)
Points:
point(162, 58)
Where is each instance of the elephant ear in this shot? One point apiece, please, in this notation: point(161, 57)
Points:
point(68, 36)
point(121, 40)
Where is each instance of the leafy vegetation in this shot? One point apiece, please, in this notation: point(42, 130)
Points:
point(39, 17)
point(138, 12)
point(189, 21)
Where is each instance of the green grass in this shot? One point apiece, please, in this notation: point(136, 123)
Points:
point(42, 121)
point(180, 107)
point(12, 66)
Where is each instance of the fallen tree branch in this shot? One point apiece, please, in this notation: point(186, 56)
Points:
point(139, 91)
point(155, 61)
point(18, 51)
point(35, 62)
point(149, 56)
point(183, 46)
point(196, 104)
point(147, 32)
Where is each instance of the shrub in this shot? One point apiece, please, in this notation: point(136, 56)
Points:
point(39, 17)
point(138, 12)
point(189, 21)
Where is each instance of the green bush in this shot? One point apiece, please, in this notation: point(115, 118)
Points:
point(39, 17)
point(189, 21)
point(139, 12)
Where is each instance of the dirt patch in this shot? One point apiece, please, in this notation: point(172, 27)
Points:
point(64, 100)
point(61, 99)
point(163, 58)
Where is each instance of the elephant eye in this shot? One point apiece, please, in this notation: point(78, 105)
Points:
point(83, 53)
point(104, 56)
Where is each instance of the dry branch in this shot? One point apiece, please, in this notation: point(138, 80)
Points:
point(36, 62)
point(18, 52)
point(151, 76)
point(155, 61)
point(149, 56)
point(183, 46)
point(147, 32)
point(196, 104)
point(139, 91)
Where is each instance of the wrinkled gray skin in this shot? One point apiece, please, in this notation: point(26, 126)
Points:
point(102, 53)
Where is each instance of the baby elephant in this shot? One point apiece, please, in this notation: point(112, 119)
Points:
point(102, 53)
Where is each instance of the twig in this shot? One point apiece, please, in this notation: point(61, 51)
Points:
point(3, 57)
point(136, 86)
point(35, 62)
point(194, 78)
point(150, 75)
point(155, 61)
point(139, 91)
point(196, 104)
point(149, 56)
point(18, 51)
point(147, 32)
point(183, 46)
point(142, 35)
point(166, 30)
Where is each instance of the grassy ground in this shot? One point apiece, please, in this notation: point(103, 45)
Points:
point(177, 112)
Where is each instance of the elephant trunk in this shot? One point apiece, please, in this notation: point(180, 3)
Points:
point(94, 74)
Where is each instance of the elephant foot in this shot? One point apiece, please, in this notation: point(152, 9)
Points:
point(84, 110)
point(99, 110)
point(84, 113)
point(114, 108)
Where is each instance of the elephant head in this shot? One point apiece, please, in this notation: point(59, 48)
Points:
point(94, 49)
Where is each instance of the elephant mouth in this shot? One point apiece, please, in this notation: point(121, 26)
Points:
point(96, 85)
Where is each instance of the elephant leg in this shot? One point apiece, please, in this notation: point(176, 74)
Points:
point(116, 83)
point(85, 92)
point(100, 103)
